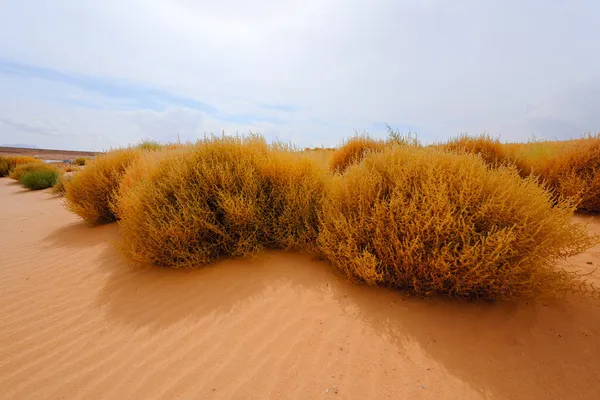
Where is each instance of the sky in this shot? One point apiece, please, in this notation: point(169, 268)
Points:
point(94, 75)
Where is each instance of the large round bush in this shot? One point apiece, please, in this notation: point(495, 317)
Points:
point(432, 222)
point(219, 197)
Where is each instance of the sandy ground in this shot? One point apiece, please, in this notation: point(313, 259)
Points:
point(78, 323)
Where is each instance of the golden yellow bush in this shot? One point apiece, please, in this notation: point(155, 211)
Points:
point(352, 151)
point(59, 187)
point(222, 196)
point(8, 163)
point(493, 152)
point(575, 173)
point(22, 169)
point(90, 192)
point(432, 222)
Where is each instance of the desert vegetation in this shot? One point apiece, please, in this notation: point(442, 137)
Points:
point(472, 218)
point(8, 163)
point(39, 179)
point(35, 175)
point(90, 192)
point(431, 222)
point(59, 188)
point(568, 169)
point(491, 150)
point(23, 169)
point(80, 161)
point(353, 151)
point(218, 197)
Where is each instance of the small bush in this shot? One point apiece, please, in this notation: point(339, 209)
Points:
point(490, 150)
point(39, 179)
point(23, 169)
point(432, 222)
point(220, 197)
point(8, 163)
point(353, 151)
point(90, 192)
point(60, 187)
point(80, 160)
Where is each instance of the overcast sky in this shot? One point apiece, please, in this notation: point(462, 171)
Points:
point(79, 74)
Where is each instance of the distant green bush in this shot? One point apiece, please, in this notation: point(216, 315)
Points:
point(23, 169)
point(39, 179)
point(80, 160)
point(150, 145)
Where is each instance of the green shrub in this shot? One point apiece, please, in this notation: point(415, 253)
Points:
point(432, 222)
point(220, 197)
point(39, 179)
point(149, 145)
point(23, 169)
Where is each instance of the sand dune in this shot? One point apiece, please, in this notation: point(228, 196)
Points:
point(78, 323)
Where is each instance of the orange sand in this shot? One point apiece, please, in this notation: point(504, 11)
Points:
point(78, 323)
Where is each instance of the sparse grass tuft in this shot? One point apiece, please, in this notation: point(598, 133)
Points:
point(353, 151)
point(8, 163)
point(90, 192)
point(39, 179)
point(432, 222)
point(222, 196)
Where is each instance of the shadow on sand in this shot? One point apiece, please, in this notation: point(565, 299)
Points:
point(520, 350)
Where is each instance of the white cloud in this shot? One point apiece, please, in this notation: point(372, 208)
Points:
point(507, 67)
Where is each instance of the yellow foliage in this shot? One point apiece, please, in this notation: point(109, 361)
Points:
point(8, 163)
point(59, 187)
point(219, 197)
point(353, 151)
point(489, 149)
point(90, 192)
point(433, 222)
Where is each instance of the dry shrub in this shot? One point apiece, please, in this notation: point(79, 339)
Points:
point(493, 152)
point(23, 169)
point(8, 163)
point(38, 179)
point(575, 173)
point(60, 187)
point(432, 222)
point(353, 151)
point(90, 192)
point(220, 197)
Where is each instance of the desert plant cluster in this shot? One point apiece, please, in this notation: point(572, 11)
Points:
point(470, 218)
point(34, 174)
